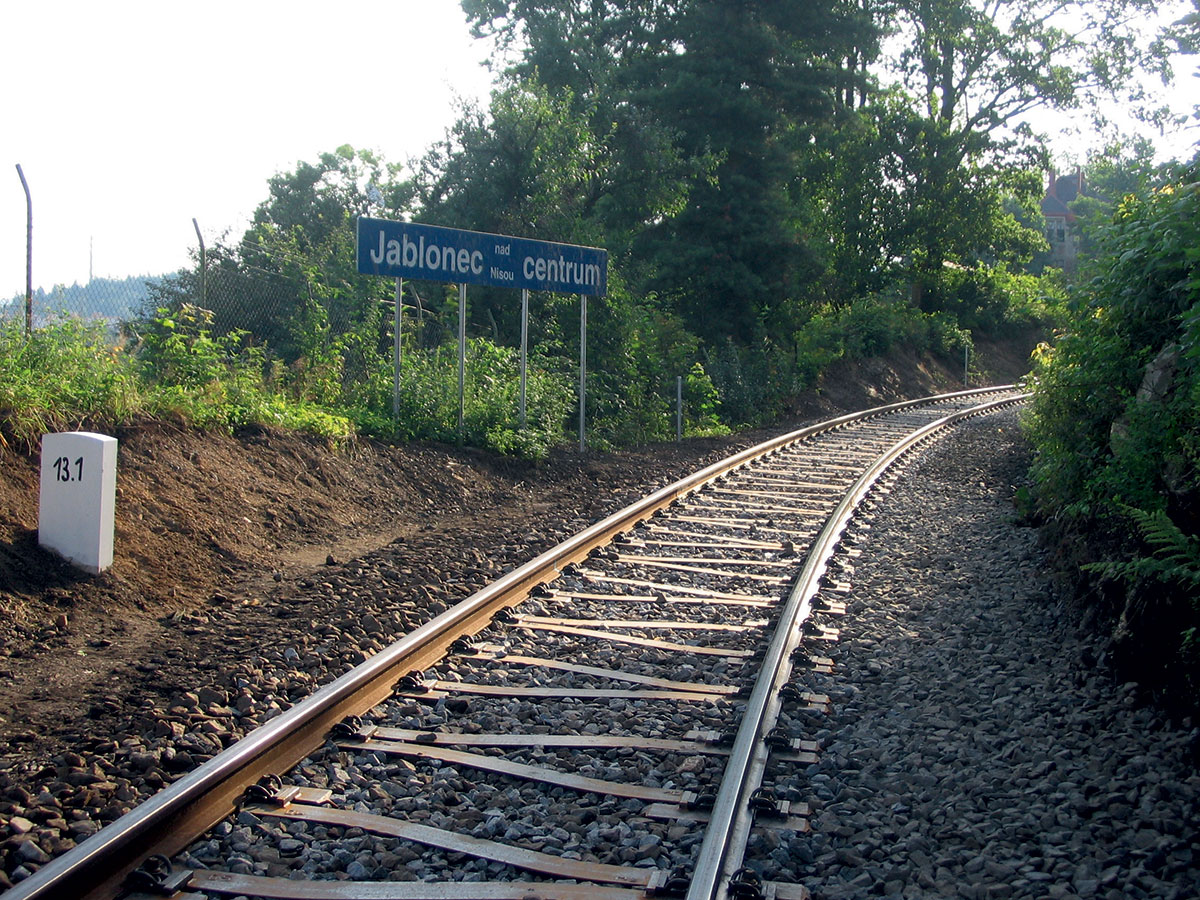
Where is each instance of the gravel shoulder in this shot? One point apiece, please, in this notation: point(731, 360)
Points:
point(974, 749)
point(257, 567)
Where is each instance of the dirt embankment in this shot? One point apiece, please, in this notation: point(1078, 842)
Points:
point(203, 516)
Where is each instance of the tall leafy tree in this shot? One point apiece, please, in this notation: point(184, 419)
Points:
point(297, 258)
point(1187, 41)
point(747, 83)
point(852, 198)
point(581, 45)
point(736, 88)
point(533, 165)
point(528, 166)
point(973, 70)
point(584, 54)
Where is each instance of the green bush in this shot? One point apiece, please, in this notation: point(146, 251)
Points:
point(428, 400)
point(991, 298)
point(869, 327)
point(62, 375)
point(1099, 445)
point(178, 349)
point(71, 374)
point(221, 381)
point(701, 405)
point(1115, 424)
point(754, 384)
point(638, 348)
point(624, 411)
point(319, 371)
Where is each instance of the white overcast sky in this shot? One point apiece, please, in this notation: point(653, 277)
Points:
point(131, 117)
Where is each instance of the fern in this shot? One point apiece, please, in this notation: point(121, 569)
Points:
point(1176, 558)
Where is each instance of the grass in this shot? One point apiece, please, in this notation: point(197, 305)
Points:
point(71, 374)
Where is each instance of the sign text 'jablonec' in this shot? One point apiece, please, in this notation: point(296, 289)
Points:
point(433, 253)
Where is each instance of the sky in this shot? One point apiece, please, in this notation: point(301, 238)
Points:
point(130, 118)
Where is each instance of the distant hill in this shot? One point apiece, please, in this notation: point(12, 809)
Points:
point(110, 299)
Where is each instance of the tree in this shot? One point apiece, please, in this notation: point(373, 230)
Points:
point(298, 254)
point(977, 66)
point(583, 54)
point(1186, 37)
point(735, 88)
point(971, 70)
point(529, 166)
point(315, 200)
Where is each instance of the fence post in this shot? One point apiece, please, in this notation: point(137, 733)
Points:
point(203, 266)
point(28, 254)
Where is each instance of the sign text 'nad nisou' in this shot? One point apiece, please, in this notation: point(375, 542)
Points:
point(433, 253)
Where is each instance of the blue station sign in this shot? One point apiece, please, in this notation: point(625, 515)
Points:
point(433, 253)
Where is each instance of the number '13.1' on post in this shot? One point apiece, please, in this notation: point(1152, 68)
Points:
point(78, 498)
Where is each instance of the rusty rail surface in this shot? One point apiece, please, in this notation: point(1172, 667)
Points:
point(724, 841)
point(176, 816)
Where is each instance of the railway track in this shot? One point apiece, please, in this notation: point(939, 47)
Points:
point(603, 721)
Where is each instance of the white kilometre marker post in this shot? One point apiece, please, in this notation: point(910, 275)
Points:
point(78, 498)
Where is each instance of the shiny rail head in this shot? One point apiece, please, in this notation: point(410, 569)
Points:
point(96, 867)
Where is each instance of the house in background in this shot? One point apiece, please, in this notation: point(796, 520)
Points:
point(1060, 221)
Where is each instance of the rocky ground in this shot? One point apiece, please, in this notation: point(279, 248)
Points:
point(975, 748)
point(251, 568)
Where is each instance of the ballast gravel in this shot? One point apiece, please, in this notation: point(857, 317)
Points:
point(968, 750)
point(971, 750)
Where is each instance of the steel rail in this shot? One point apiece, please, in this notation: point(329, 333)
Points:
point(173, 818)
point(722, 849)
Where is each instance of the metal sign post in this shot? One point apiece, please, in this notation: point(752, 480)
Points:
point(398, 321)
point(453, 256)
point(582, 373)
point(524, 347)
point(462, 353)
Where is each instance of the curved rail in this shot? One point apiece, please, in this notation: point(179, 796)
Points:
point(171, 819)
point(721, 852)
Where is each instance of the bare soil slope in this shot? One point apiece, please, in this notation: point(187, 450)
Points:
point(244, 521)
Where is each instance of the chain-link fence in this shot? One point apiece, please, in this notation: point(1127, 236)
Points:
point(105, 299)
point(319, 330)
point(271, 307)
